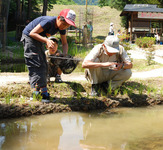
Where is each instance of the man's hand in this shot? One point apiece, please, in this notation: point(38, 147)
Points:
point(50, 44)
point(119, 66)
point(116, 66)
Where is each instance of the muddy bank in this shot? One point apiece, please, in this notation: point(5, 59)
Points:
point(71, 96)
point(75, 104)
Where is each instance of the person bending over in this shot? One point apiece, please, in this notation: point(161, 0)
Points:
point(107, 62)
point(34, 35)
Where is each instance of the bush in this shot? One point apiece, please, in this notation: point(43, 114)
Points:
point(124, 37)
point(145, 42)
point(150, 56)
point(99, 41)
point(126, 45)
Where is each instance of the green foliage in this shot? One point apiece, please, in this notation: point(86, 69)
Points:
point(124, 37)
point(65, 2)
point(123, 41)
point(89, 2)
point(8, 98)
point(145, 42)
point(49, 5)
point(99, 41)
point(35, 10)
point(124, 22)
point(161, 3)
point(150, 56)
point(13, 19)
point(120, 4)
point(126, 45)
point(140, 89)
point(103, 3)
point(109, 90)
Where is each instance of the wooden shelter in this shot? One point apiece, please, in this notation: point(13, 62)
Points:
point(143, 20)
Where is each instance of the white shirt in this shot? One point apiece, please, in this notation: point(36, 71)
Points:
point(97, 53)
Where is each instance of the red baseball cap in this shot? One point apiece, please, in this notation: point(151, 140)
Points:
point(69, 16)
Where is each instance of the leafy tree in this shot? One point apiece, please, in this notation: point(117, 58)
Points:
point(161, 3)
point(29, 10)
point(66, 2)
point(22, 10)
point(103, 3)
point(120, 4)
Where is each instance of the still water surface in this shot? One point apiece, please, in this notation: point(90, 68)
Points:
point(120, 129)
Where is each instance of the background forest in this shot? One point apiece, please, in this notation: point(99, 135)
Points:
point(21, 11)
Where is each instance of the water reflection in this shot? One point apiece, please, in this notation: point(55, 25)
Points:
point(72, 127)
point(124, 129)
point(2, 140)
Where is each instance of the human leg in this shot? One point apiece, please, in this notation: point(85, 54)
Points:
point(97, 76)
point(38, 81)
point(58, 76)
point(35, 60)
point(119, 77)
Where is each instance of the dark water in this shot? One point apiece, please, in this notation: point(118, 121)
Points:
point(12, 67)
point(120, 129)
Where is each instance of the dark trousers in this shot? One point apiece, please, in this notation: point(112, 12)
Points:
point(35, 60)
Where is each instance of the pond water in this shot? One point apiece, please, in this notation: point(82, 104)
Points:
point(117, 129)
point(12, 67)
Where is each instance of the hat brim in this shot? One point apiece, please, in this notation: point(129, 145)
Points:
point(112, 49)
point(70, 22)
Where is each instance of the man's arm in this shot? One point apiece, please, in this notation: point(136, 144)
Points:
point(64, 44)
point(127, 65)
point(90, 64)
point(35, 35)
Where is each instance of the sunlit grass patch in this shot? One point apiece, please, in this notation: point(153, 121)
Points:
point(141, 65)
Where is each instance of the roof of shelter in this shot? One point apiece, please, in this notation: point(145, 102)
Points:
point(140, 8)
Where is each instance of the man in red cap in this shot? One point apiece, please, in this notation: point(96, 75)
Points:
point(34, 35)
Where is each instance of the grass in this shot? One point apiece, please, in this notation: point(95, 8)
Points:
point(101, 17)
point(101, 20)
point(150, 86)
point(21, 93)
point(14, 48)
point(141, 65)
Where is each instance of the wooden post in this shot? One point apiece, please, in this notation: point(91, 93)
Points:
point(4, 35)
point(76, 32)
point(85, 36)
point(131, 24)
point(86, 11)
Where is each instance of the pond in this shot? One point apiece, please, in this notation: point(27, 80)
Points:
point(117, 129)
point(12, 67)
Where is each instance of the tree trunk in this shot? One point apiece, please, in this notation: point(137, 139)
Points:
point(18, 18)
point(45, 5)
point(29, 10)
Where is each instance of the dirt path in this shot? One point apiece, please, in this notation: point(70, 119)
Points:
point(7, 78)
